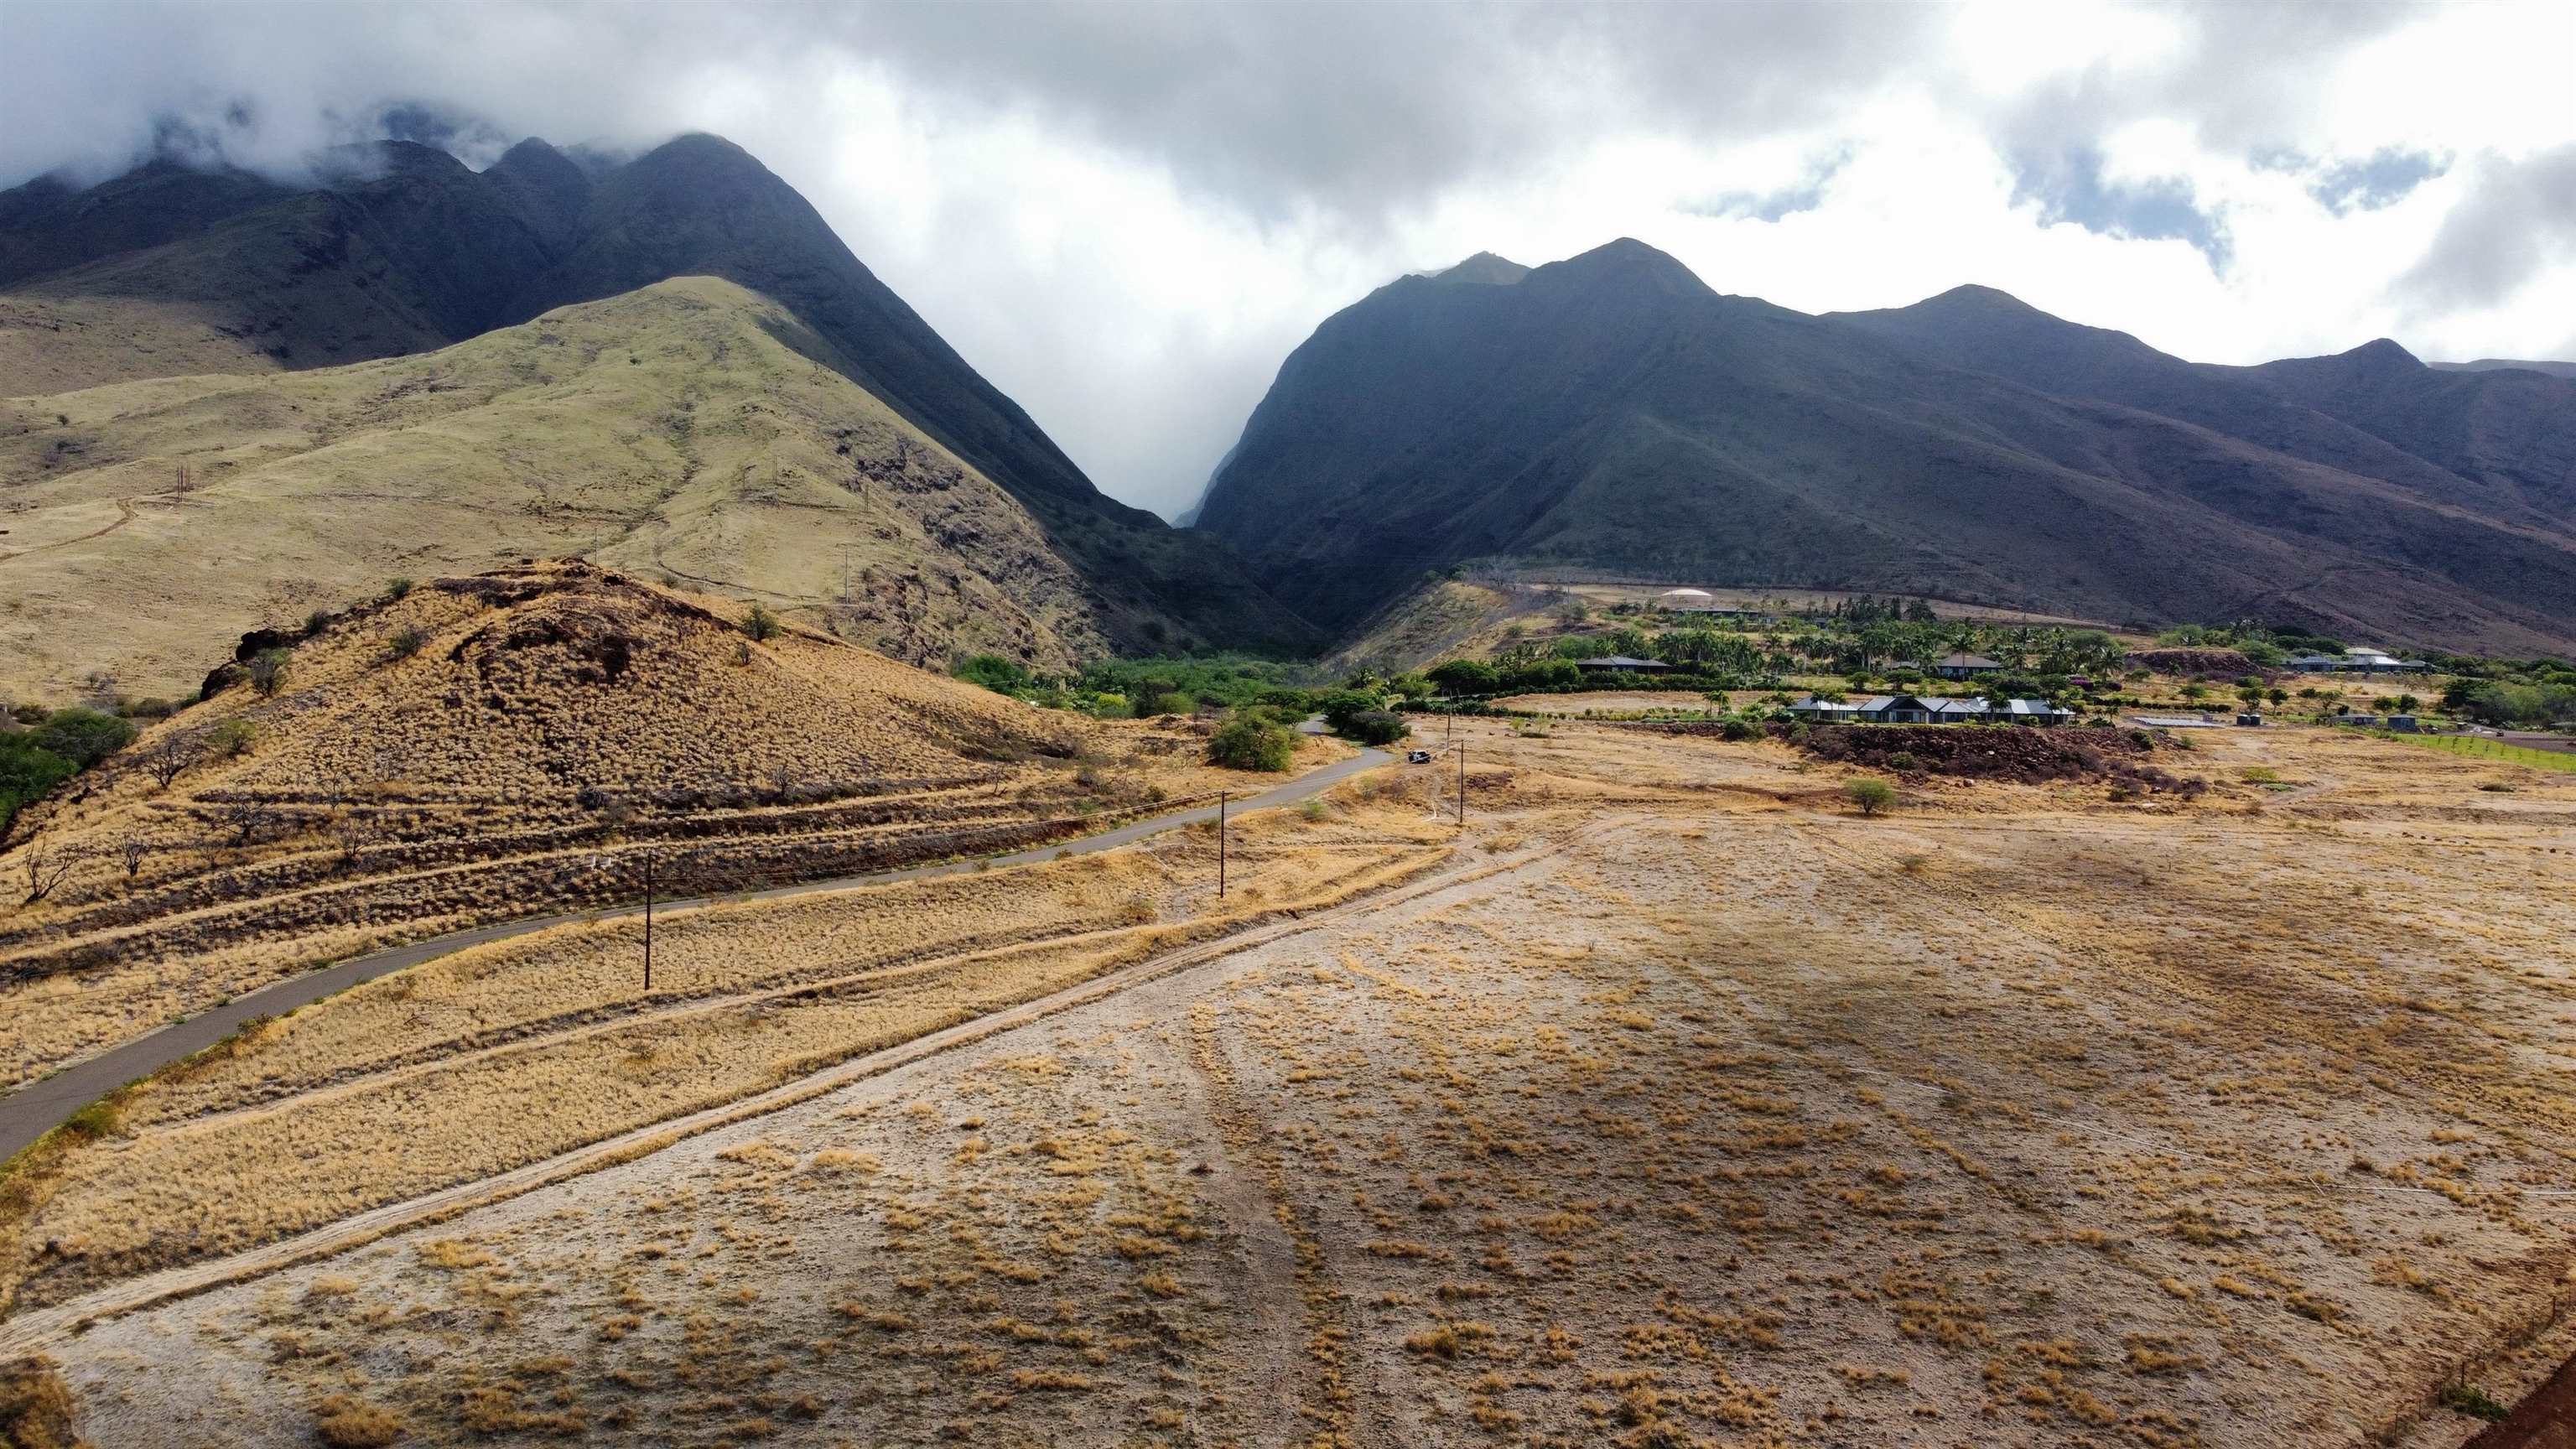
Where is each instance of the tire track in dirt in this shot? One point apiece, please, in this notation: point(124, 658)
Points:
point(1323, 1395)
point(125, 515)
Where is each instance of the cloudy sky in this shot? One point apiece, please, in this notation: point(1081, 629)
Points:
point(1127, 214)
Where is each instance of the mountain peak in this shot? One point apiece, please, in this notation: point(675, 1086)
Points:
point(532, 151)
point(1484, 269)
point(1630, 262)
point(2382, 355)
point(1971, 295)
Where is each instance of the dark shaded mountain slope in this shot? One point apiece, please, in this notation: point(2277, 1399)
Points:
point(1610, 414)
point(401, 249)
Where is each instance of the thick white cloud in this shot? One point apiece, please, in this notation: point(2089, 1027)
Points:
point(1127, 214)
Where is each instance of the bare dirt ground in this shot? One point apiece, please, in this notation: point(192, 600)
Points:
point(1608, 701)
point(1675, 1105)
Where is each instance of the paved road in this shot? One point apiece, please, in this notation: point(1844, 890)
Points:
point(36, 1108)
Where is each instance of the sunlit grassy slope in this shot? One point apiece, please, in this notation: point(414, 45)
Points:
point(677, 431)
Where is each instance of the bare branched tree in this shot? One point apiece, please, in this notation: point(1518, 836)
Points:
point(246, 818)
point(165, 757)
point(782, 780)
point(46, 866)
point(133, 850)
point(353, 833)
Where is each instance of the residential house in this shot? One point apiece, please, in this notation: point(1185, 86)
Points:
point(1965, 666)
point(1621, 664)
point(1921, 709)
point(2355, 661)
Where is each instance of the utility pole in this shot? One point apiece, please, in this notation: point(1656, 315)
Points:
point(1220, 845)
point(1462, 787)
point(648, 923)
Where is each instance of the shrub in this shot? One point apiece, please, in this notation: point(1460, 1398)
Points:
point(1340, 706)
point(84, 736)
point(993, 672)
point(396, 588)
point(1903, 760)
point(760, 624)
point(1737, 728)
point(343, 1422)
point(28, 772)
point(35, 1405)
point(232, 737)
point(406, 642)
point(1873, 795)
point(1249, 743)
point(317, 621)
point(1377, 727)
point(2463, 1398)
point(1172, 703)
point(93, 1123)
point(268, 671)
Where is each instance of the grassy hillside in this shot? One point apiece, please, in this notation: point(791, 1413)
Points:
point(501, 745)
point(677, 432)
point(397, 249)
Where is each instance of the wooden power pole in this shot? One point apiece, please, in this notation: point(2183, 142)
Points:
point(1220, 845)
point(648, 923)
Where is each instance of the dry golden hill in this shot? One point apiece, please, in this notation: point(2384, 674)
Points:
point(502, 745)
point(680, 431)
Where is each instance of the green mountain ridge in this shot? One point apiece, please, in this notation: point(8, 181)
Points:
point(1612, 415)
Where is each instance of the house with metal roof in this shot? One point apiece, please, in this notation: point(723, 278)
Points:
point(1622, 664)
point(1965, 666)
point(2355, 661)
point(1920, 709)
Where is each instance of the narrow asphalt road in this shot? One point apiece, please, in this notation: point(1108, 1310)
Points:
point(38, 1107)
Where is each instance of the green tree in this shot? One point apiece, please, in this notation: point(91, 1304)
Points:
point(1248, 742)
point(1377, 727)
point(1466, 676)
point(84, 736)
point(1340, 706)
point(993, 672)
point(1874, 796)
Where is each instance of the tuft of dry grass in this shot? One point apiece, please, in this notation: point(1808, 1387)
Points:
point(341, 1421)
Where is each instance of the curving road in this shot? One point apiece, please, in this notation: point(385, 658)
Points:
point(38, 1107)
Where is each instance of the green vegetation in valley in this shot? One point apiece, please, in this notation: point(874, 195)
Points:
point(1270, 694)
point(39, 751)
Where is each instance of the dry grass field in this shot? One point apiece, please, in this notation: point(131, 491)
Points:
point(507, 744)
point(676, 432)
point(1672, 1103)
point(423, 1080)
